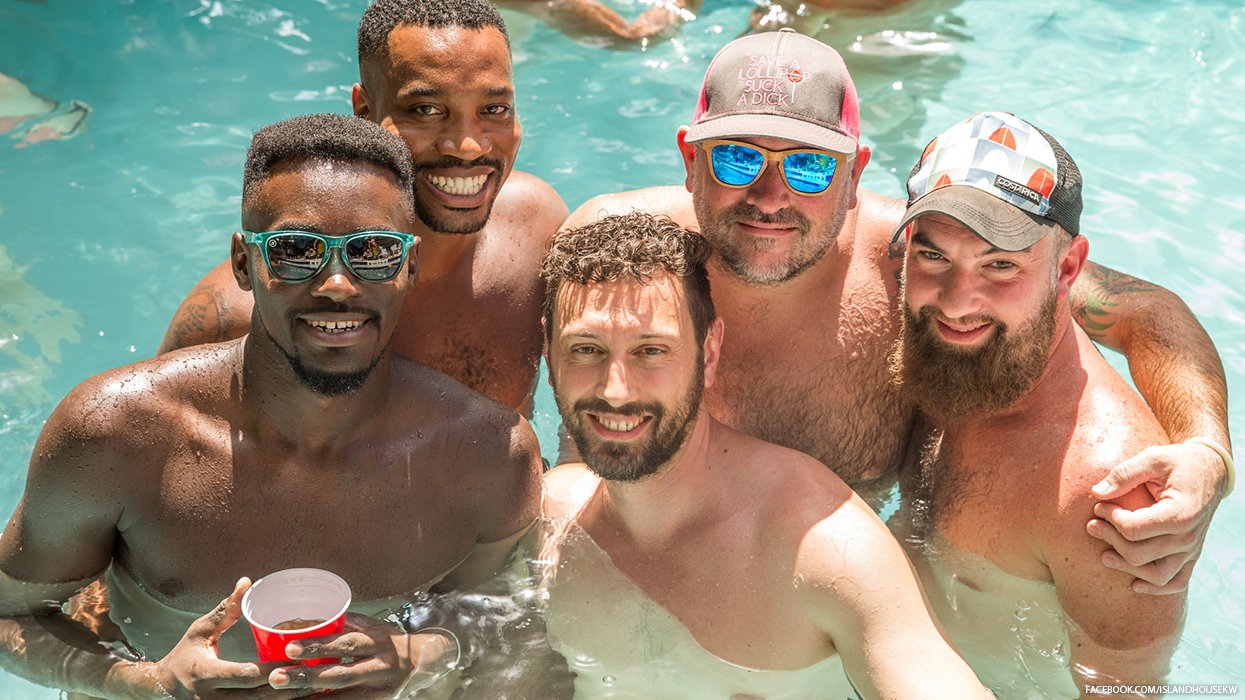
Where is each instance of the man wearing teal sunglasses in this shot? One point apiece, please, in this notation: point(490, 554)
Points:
point(306, 443)
point(806, 280)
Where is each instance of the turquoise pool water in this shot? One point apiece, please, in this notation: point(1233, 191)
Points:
point(102, 235)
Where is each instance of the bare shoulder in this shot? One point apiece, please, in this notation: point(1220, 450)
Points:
point(566, 488)
point(670, 200)
point(527, 208)
point(214, 310)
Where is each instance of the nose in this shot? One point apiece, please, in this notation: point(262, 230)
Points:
point(335, 282)
point(616, 388)
point(769, 193)
point(961, 294)
point(464, 139)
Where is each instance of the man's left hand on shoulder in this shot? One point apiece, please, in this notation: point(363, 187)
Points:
point(378, 660)
point(1159, 544)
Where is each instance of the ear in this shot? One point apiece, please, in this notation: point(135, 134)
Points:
point(240, 262)
point(713, 349)
point(858, 166)
point(412, 262)
point(1071, 263)
point(359, 101)
point(689, 154)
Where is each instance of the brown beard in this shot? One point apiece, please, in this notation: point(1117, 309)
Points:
point(948, 383)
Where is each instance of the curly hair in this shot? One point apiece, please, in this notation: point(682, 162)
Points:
point(636, 245)
point(331, 137)
point(384, 16)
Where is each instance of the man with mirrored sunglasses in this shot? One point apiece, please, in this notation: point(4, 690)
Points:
point(804, 274)
point(306, 443)
point(476, 312)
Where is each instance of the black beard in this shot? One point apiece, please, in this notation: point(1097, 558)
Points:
point(949, 383)
point(627, 462)
point(327, 384)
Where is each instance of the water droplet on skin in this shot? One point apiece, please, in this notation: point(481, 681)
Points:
point(609, 680)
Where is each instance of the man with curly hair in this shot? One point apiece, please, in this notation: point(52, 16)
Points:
point(438, 74)
point(689, 559)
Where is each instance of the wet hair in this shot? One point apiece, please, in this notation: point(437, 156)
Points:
point(326, 137)
point(637, 246)
point(384, 16)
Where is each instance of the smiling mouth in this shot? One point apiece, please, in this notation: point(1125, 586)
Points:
point(963, 331)
point(458, 186)
point(623, 424)
point(332, 327)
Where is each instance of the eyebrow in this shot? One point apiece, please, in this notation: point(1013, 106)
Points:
point(423, 91)
point(312, 228)
point(919, 238)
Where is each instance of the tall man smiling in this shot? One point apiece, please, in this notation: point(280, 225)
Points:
point(305, 443)
point(438, 74)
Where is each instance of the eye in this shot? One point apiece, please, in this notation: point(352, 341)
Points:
point(425, 110)
point(584, 350)
point(929, 255)
point(652, 351)
point(499, 110)
point(1001, 265)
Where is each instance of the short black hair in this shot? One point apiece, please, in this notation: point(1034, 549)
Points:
point(384, 16)
point(330, 137)
point(636, 245)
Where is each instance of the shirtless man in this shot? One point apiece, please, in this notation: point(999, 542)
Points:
point(305, 443)
point(699, 517)
point(1025, 417)
point(438, 74)
point(808, 283)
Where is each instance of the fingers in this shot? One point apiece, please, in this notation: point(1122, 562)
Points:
point(330, 676)
point(1178, 584)
point(1165, 517)
point(1144, 551)
point(223, 616)
point(350, 644)
point(1148, 465)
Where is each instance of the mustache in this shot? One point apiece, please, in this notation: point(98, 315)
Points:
point(447, 162)
point(336, 309)
point(635, 408)
point(750, 212)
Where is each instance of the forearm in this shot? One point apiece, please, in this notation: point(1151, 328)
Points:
point(58, 652)
point(1172, 360)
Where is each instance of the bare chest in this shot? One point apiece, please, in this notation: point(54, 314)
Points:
point(486, 336)
point(382, 518)
point(817, 382)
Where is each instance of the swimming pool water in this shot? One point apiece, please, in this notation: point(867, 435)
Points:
point(102, 235)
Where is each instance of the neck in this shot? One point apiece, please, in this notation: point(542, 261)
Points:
point(654, 510)
point(280, 403)
point(440, 254)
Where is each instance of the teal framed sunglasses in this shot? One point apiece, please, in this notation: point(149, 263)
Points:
point(297, 256)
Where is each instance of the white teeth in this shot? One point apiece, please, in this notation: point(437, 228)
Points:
point(620, 426)
point(461, 186)
point(335, 326)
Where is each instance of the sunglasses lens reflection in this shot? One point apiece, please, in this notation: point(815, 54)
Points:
point(809, 173)
point(736, 165)
point(375, 256)
point(295, 257)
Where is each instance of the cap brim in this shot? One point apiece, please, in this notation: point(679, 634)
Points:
point(742, 126)
point(998, 223)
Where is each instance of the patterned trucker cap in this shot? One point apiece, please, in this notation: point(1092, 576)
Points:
point(779, 84)
point(1007, 180)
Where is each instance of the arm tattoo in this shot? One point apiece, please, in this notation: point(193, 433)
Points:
point(1096, 298)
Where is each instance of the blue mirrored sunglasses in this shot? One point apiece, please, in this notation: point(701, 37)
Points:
point(297, 256)
point(806, 171)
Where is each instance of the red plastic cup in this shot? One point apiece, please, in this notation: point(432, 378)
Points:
point(293, 595)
